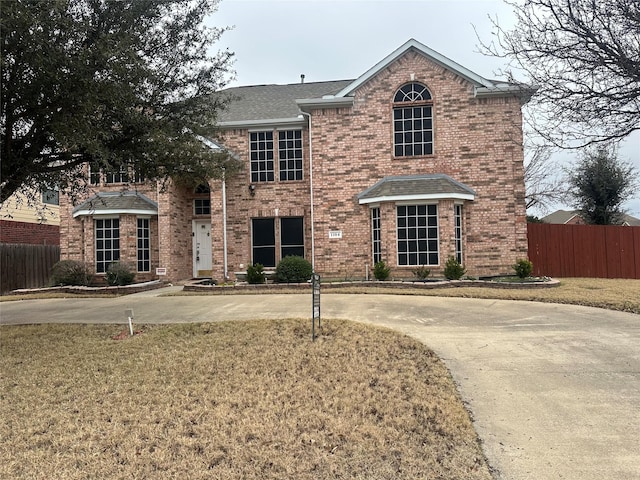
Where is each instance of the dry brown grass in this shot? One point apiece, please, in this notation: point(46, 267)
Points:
point(613, 294)
point(252, 400)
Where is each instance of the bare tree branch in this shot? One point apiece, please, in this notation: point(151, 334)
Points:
point(584, 55)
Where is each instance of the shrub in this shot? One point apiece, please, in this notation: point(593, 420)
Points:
point(381, 271)
point(70, 272)
point(293, 269)
point(119, 274)
point(422, 272)
point(453, 270)
point(523, 268)
point(255, 273)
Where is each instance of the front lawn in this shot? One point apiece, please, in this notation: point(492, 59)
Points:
point(234, 400)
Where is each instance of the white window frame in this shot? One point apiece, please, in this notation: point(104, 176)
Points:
point(376, 239)
point(290, 154)
point(458, 218)
point(411, 126)
point(103, 265)
point(262, 145)
point(426, 226)
point(141, 250)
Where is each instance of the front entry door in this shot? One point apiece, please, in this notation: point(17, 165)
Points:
point(201, 248)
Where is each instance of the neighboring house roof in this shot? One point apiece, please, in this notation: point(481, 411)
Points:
point(281, 105)
point(416, 187)
point(560, 216)
point(112, 203)
point(565, 216)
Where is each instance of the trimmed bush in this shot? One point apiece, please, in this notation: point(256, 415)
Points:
point(255, 273)
point(70, 272)
point(523, 268)
point(381, 271)
point(119, 274)
point(293, 269)
point(453, 270)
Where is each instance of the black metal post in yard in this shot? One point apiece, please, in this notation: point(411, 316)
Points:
point(315, 305)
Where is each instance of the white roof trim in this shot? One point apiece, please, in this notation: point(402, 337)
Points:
point(324, 102)
point(262, 123)
point(427, 52)
point(418, 197)
point(114, 212)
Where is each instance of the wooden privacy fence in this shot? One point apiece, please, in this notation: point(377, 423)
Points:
point(26, 266)
point(603, 251)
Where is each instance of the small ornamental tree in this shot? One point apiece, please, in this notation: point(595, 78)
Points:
point(453, 270)
point(523, 268)
point(381, 271)
point(255, 273)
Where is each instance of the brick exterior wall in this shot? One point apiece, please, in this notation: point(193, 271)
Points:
point(29, 233)
point(476, 142)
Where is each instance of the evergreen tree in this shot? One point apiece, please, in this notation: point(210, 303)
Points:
point(112, 82)
point(599, 184)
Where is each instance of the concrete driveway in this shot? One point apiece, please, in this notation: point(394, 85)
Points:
point(554, 389)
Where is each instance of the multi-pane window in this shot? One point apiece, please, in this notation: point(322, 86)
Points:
point(261, 154)
point(107, 242)
point(290, 154)
point(202, 206)
point(417, 231)
point(375, 235)
point(457, 215)
point(118, 174)
point(263, 234)
point(94, 174)
point(412, 121)
point(264, 244)
point(144, 245)
point(291, 237)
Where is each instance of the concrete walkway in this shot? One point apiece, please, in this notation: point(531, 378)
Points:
point(554, 389)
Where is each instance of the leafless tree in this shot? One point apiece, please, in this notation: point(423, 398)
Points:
point(544, 186)
point(584, 57)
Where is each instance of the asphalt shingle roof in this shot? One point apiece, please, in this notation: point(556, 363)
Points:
point(412, 185)
point(267, 102)
point(104, 202)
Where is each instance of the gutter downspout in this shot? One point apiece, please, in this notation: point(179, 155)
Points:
point(159, 229)
point(313, 243)
point(224, 227)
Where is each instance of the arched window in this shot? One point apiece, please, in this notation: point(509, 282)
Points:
point(202, 189)
point(202, 202)
point(412, 121)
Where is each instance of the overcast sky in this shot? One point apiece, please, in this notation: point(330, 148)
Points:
point(277, 40)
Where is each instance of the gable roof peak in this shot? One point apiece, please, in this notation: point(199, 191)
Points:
point(413, 44)
point(483, 87)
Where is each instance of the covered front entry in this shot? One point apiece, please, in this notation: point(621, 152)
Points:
point(202, 258)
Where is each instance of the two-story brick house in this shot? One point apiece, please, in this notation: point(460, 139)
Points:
point(414, 161)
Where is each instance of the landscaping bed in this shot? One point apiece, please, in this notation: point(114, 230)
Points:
point(90, 290)
point(205, 286)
